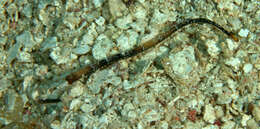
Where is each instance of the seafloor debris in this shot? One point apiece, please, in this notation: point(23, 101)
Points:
point(198, 78)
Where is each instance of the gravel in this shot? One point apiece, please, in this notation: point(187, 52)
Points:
point(198, 78)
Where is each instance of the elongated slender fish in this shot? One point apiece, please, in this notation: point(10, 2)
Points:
point(88, 70)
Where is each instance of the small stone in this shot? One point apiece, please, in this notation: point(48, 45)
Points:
point(35, 94)
point(193, 103)
point(13, 52)
point(116, 8)
point(49, 43)
point(77, 90)
point(27, 10)
point(138, 26)
point(2, 11)
point(182, 66)
point(228, 125)
point(102, 47)
point(124, 22)
point(42, 70)
point(256, 112)
point(71, 21)
point(159, 18)
point(244, 120)
point(3, 40)
point(26, 40)
point(252, 124)
point(129, 106)
point(24, 57)
point(234, 62)
point(27, 82)
point(211, 127)
point(219, 112)
point(44, 17)
point(82, 49)
point(212, 47)
point(5, 83)
point(132, 114)
point(164, 125)
point(209, 114)
point(232, 84)
point(247, 68)
point(87, 108)
point(62, 56)
point(88, 39)
point(224, 98)
point(98, 3)
point(231, 44)
point(75, 104)
point(238, 2)
point(55, 124)
point(100, 21)
point(127, 41)
point(152, 115)
point(243, 32)
point(235, 22)
point(140, 12)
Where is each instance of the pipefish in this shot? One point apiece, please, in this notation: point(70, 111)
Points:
point(88, 70)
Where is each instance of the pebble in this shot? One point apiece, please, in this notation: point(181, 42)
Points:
point(235, 22)
point(88, 39)
point(211, 127)
point(26, 40)
point(243, 32)
point(98, 3)
point(124, 22)
point(127, 41)
point(234, 62)
point(12, 52)
point(209, 114)
point(81, 49)
point(49, 43)
point(28, 80)
point(219, 112)
point(182, 66)
point(224, 98)
point(77, 90)
point(244, 120)
point(247, 68)
point(100, 21)
point(27, 11)
point(132, 114)
point(256, 112)
point(116, 8)
point(228, 125)
point(5, 83)
point(140, 12)
point(212, 48)
point(56, 124)
point(75, 104)
point(139, 93)
point(71, 21)
point(87, 107)
point(252, 124)
point(231, 44)
point(62, 56)
point(24, 57)
point(152, 115)
point(159, 18)
point(102, 47)
point(3, 40)
point(44, 17)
